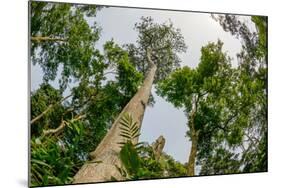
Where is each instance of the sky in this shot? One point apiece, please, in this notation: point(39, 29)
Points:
point(198, 29)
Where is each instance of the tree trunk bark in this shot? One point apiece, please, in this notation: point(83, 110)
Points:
point(194, 141)
point(105, 158)
point(192, 155)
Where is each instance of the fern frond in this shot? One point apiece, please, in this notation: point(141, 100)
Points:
point(124, 129)
point(129, 154)
point(128, 128)
point(139, 144)
point(125, 136)
point(135, 131)
point(136, 136)
point(126, 132)
point(125, 124)
point(121, 143)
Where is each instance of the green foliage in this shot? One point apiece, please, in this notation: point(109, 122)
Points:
point(55, 160)
point(254, 43)
point(41, 99)
point(200, 89)
point(226, 103)
point(130, 159)
point(129, 78)
point(212, 58)
point(255, 159)
point(182, 84)
point(129, 129)
point(67, 52)
point(138, 160)
point(252, 85)
point(183, 80)
point(141, 163)
point(100, 105)
point(206, 117)
point(221, 161)
point(162, 167)
point(261, 26)
point(70, 40)
point(165, 42)
point(230, 103)
point(49, 164)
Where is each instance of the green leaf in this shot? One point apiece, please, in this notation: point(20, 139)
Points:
point(130, 158)
point(125, 136)
point(40, 162)
point(76, 126)
point(129, 129)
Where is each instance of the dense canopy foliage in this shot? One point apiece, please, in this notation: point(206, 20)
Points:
point(68, 123)
point(226, 106)
point(164, 40)
point(84, 89)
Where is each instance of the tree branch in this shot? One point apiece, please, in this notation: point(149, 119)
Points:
point(193, 114)
point(110, 72)
point(62, 125)
point(253, 140)
point(39, 39)
point(148, 55)
point(48, 109)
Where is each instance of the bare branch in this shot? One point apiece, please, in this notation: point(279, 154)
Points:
point(39, 39)
point(62, 125)
point(110, 72)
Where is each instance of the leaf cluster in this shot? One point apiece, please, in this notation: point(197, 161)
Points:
point(163, 40)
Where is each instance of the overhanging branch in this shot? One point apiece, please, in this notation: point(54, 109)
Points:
point(62, 125)
point(39, 39)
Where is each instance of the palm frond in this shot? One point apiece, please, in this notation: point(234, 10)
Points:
point(129, 128)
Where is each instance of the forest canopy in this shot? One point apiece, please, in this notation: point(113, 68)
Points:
point(88, 110)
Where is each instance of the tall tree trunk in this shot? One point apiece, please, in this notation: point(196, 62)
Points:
point(105, 158)
point(194, 141)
